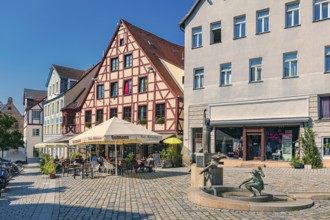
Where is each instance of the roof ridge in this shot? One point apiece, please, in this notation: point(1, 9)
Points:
point(169, 42)
point(56, 65)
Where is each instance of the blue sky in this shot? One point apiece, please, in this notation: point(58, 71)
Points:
point(37, 33)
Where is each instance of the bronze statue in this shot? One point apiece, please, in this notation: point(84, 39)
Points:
point(206, 133)
point(215, 161)
point(255, 182)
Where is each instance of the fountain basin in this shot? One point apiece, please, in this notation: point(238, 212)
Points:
point(233, 198)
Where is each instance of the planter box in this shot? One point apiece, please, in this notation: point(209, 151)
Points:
point(299, 166)
point(308, 166)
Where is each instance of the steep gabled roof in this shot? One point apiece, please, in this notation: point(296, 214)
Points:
point(157, 48)
point(33, 94)
point(76, 95)
point(67, 72)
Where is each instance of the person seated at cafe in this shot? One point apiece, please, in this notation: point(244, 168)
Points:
point(100, 161)
point(79, 160)
point(56, 160)
point(138, 167)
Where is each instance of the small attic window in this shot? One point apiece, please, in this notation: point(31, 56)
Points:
point(150, 43)
point(121, 42)
point(9, 108)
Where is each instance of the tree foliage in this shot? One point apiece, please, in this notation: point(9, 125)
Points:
point(10, 138)
point(311, 153)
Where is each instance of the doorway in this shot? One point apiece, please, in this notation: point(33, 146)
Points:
point(253, 147)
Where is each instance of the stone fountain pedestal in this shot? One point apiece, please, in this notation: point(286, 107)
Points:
point(197, 179)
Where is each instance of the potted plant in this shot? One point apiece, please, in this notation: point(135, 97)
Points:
point(160, 120)
point(50, 168)
point(98, 122)
point(128, 119)
point(297, 163)
point(129, 159)
point(143, 121)
point(311, 155)
point(88, 124)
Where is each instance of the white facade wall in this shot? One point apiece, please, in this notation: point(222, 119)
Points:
point(308, 39)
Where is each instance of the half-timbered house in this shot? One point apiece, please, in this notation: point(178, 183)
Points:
point(140, 79)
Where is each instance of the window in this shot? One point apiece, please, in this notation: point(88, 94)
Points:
point(325, 107)
point(58, 106)
point(255, 70)
point(160, 110)
point(113, 112)
point(70, 121)
point(114, 89)
point(199, 78)
point(290, 65)
point(196, 37)
point(262, 21)
point(35, 115)
point(326, 146)
point(53, 89)
point(121, 42)
point(99, 116)
point(142, 84)
point(292, 15)
point(128, 87)
point(239, 27)
point(142, 112)
point(225, 78)
point(88, 116)
point(35, 132)
point(57, 87)
point(327, 59)
point(321, 9)
point(100, 92)
point(127, 113)
point(53, 108)
point(215, 33)
point(114, 64)
point(128, 60)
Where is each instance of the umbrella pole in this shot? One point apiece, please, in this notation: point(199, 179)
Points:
point(116, 160)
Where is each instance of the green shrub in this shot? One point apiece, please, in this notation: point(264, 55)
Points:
point(44, 159)
point(311, 153)
point(50, 167)
point(296, 162)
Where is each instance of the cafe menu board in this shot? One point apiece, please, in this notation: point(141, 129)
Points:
point(157, 160)
point(287, 146)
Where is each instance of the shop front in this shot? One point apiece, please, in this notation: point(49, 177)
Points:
point(262, 143)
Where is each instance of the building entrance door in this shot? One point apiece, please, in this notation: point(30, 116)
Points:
point(253, 150)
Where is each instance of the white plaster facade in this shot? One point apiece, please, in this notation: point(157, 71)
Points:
point(274, 100)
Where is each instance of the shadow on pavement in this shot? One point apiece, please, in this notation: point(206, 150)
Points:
point(55, 211)
point(154, 175)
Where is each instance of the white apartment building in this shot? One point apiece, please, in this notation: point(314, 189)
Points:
point(262, 71)
point(60, 79)
point(33, 119)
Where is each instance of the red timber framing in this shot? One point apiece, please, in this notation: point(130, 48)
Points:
point(148, 56)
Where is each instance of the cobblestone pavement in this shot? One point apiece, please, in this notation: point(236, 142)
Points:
point(158, 195)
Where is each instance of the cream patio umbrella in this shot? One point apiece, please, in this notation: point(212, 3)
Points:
point(116, 131)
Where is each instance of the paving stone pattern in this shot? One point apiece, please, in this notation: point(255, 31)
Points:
point(158, 195)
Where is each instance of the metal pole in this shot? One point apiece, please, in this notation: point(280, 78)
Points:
point(116, 160)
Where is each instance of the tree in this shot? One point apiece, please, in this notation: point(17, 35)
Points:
point(10, 138)
point(311, 153)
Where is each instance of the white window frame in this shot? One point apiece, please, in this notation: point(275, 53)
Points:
point(240, 24)
point(35, 132)
point(254, 70)
point(320, 3)
point(199, 37)
point(327, 55)
point(263, 21)
point(227, 74)
point(213, 29)
point(290, 61)
point(292, 12)
point(200, 77)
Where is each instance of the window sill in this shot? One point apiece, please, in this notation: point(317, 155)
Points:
point(261, 33)
point(215, 43)
point(315, 21)
point(289, 27)
point(323, 120)
point(114, 96)
point(143, 92)
point(290, 77)
point(128, 67)
point(127, 94)
point(226, 85)
point(114, 70)
point(239, 38)
point(100, 98)
point(198, 88)
point(253, 82)
point(327, 72)
point(193, 48)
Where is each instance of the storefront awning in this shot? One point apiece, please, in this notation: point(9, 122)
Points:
point(57, 142)
point(259, 121)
